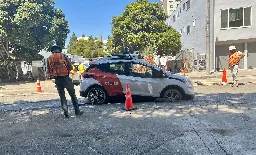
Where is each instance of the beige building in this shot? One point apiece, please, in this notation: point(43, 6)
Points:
point(169, 5)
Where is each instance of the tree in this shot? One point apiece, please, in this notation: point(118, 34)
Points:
point(110, 46)
point(28, 26)
point(142, 25)
point(72, 42)
point(90, 48)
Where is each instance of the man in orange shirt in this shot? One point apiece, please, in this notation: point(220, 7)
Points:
point(233, 63)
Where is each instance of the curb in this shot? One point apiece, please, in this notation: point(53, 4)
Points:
point(220, 83)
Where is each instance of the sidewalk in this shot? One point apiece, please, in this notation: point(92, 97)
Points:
point(244, 76)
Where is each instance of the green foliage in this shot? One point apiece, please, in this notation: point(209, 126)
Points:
point(142, 25)
point(30, 26)
point(90, 48)
point(72, 43)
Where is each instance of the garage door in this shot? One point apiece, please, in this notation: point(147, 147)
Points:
point(251, 55)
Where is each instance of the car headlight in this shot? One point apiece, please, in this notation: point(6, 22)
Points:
point(187, 81)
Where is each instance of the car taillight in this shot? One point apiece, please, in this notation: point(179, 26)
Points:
point(87, 75)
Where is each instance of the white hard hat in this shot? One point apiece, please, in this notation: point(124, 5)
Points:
point(232, 48)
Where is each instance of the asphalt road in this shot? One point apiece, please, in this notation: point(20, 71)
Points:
point(220, 120)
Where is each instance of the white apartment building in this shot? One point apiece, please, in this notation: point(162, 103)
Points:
point(169, 5)
point(231, 23)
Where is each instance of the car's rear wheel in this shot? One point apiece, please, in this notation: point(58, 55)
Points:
point(97, 95)
point(172, 94)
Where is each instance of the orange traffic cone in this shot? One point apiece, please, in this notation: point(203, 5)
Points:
point(128, 102)
point(38, 86)
point(166, 66)
point(224, 77)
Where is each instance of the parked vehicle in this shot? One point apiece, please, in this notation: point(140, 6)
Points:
point(108, 77)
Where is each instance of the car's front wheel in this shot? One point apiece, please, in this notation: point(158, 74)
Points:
point(172, 94)
point(97, 95)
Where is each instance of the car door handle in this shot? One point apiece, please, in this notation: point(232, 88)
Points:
point(133, 80)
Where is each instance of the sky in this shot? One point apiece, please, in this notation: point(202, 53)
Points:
point(91, 17)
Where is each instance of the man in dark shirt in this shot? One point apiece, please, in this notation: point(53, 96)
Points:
point(59, 67)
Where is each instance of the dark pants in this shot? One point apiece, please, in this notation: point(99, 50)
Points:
point(66, 82)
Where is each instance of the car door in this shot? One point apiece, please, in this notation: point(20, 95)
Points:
point(158, 82)
point(137, 79)
point(111, 78)
point(106, 75)
point(127, 79)
point(149, 80)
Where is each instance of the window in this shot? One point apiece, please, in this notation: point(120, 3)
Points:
point(180, 31)
point(188, 30)
point(180, 10)
point(114, 68)
point(236, 17)
point(171, 6)
point(184, 30)
point(177, 5)
point(247, 16)
point(173, 18)
point(184, 6)
point(224, 18)
point(117, 68)
point(143, 71)
point(194, 23)
point(188, 4)
point(178, 15)
point(139, 70)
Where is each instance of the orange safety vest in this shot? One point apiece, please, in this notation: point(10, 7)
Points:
point(234, 59)
point(58, 65)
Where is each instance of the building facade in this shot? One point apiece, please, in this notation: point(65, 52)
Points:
point(169, 5)
point(231, 23)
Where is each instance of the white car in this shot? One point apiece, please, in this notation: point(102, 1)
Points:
point(109, 76)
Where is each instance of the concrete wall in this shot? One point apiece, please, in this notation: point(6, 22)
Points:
point(197, 37)
point(234, 33)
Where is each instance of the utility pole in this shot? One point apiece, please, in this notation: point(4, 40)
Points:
point(208, 52)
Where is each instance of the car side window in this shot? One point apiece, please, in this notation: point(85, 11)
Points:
point(100, 67)
point(139, 70)
point(116, 68)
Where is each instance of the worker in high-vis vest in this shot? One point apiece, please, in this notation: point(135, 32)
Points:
point(59, 68)
point(233, 63)
point(81, 68)
point(73, 69)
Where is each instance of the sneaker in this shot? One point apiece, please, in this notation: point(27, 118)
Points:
point(79, 113)
point(66, 115)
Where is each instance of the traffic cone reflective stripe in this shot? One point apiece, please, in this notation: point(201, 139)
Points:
point(38, 86)
point(128, 102)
